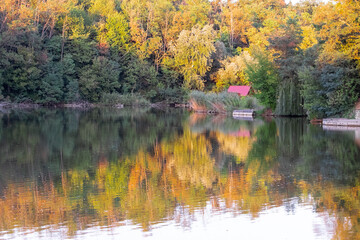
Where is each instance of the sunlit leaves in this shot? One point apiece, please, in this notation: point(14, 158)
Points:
point(117, 32)
point(236, 22)
point(192, 52)
point(232, 72)
point(308, 37)
point(339, 28)
point(102, 7)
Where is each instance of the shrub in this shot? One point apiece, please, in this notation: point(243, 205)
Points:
point(172, 95)
point(126, 99)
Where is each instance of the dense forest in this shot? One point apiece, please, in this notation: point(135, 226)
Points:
point(299, 58)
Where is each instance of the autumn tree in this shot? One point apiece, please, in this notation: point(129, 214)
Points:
point(192, 51)
point(339, 29)
point(232, 72)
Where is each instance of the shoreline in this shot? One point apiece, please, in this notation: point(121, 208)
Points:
point(341, 122)
point(83, 105)
point(6, 106)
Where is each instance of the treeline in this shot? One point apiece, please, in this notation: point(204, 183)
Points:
point(301, 58)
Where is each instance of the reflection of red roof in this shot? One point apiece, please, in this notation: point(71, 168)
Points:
point(241, 90)
point(241, 133)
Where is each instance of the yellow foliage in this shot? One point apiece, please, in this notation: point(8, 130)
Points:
point(191, 160)
point(234, 145)
point(102, 7)
point(192, 52)
point(232, 72)
point(309, 37)
point(340, 28)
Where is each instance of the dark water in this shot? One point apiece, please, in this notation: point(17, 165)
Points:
point(131, 173)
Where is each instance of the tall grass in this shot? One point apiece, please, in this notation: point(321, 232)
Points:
point(222, 102)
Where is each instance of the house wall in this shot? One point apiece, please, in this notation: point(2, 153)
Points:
point(357, 114)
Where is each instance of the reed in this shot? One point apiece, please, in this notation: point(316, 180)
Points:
point(221, 102)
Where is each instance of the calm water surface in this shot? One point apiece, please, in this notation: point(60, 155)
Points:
point(132, 173)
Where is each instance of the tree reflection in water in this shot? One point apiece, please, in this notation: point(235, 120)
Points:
point(80, 168)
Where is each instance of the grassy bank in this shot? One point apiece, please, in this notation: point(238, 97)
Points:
point(222, 102)
point(199, 101)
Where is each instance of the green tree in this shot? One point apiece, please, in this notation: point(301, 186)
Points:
point(71, 83)
point(286, 43)
point(118, 34)
point(192, 52)
point(139, 76)
point(264, 78)
point(20, 65)
point(78, 24)
point(329, 89)
point(100, 77)
point(51, 88)
point(169, 88)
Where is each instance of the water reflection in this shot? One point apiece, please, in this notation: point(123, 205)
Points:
point(72, 172)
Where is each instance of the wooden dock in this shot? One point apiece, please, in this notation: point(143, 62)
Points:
point(244, 113)
point(341, 122)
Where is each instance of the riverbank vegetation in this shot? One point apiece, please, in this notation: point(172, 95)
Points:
point(299, 58)
point(221, 102)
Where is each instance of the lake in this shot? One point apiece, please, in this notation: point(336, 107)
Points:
point(171, 174)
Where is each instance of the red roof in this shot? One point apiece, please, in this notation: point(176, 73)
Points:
point(241, 90)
